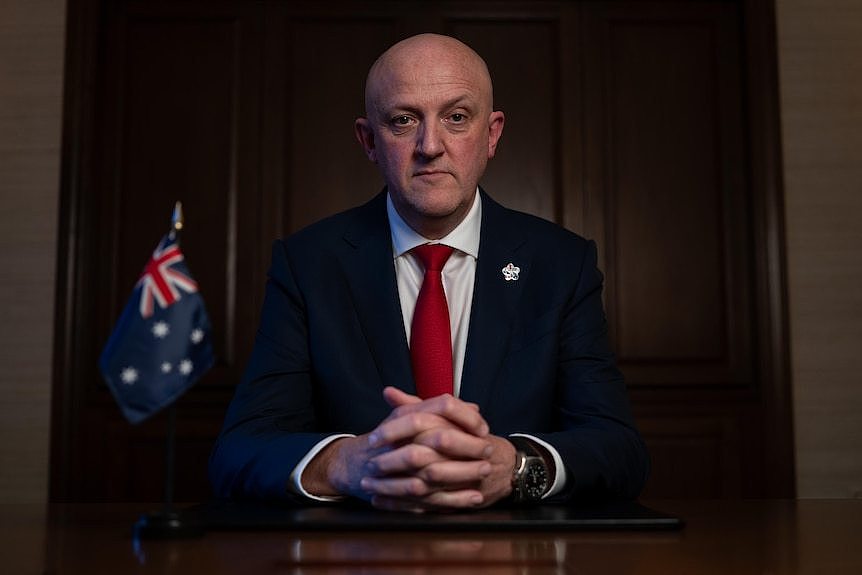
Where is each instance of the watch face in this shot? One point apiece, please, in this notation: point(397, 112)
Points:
point(535, 480)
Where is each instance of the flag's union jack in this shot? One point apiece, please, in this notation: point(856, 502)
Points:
point(160, 282)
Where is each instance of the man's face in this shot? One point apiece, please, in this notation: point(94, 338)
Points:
point(431, 131)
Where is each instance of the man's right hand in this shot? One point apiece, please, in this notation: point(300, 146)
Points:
point(339, 468)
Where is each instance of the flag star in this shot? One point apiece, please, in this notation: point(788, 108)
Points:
point(129, 375)
point(166, 367)
point(186, 366)
point(161, 329)
point(197, 335)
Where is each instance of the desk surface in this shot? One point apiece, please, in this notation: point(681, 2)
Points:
point(727, 537)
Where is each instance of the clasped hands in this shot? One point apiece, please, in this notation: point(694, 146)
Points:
point(431, 454)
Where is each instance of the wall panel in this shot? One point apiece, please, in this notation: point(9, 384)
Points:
point(326, 64)
point(521, 56)
point(664, 108)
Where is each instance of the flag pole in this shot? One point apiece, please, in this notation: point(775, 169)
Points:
point(176, 228)
point(169, 459)
point(167, 523)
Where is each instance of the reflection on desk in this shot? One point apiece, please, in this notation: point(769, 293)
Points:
point(728, 537)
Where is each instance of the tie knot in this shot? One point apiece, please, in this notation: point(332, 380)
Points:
point(433, 256)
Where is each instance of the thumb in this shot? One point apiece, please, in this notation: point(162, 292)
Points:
point(396, 398)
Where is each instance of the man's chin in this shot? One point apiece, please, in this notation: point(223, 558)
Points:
point(437, 210)
point(432, 205)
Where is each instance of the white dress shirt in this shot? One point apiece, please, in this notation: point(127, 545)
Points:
point(459, 274)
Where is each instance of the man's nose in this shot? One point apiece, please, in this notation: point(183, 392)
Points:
point(430, 139)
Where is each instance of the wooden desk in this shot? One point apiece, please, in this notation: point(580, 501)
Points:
point(727, 537)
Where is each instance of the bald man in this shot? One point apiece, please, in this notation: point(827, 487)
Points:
point(533, 406)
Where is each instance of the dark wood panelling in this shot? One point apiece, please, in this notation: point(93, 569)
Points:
point(176, 138)
point(519, 53)
point(181, 123)
point(665, 115)
point(135, 459)
point(326, 64)
point(702, 473)
point(707, 444)
point(648, 126)
point(662, 123)
point(175, 117)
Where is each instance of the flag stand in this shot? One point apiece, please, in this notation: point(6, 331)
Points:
point(158, 349)
point(168, 523)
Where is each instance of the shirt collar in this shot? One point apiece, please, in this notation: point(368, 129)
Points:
point(465, 236)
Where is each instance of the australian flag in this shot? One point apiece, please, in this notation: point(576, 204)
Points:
point(161, 344)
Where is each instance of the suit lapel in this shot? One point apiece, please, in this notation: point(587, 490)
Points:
point(494, 302)
point(370, 274)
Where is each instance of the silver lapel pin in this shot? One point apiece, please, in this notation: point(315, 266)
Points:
point(510, 272)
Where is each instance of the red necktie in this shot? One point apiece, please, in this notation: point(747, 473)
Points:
point(430, 335)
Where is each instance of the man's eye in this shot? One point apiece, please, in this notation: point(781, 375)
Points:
point(401, 120)
point(457, 118)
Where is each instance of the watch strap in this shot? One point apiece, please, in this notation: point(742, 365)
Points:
point(525, 445)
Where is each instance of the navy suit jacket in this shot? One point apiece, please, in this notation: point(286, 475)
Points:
point(331, 337)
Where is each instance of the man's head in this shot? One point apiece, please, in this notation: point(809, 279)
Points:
point(431, 128)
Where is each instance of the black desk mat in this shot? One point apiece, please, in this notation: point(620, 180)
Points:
point(615, 515)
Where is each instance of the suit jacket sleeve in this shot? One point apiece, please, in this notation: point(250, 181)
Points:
point(595, 433)
point(271, 423)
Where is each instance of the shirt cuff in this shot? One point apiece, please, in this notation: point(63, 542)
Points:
point(559, 468)
point(295, 482)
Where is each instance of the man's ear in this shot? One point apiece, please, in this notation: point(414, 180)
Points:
point(495, 129)
point(365, 135)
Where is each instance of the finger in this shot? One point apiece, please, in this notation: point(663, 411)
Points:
point(439, 500)
point(461, 413)
point(428, 464)
point(431, 430)
point(439, 476)
point(404, 428)
point(413, 490)
point(403, 487)
point(455, 443)
point(450, 474)
point(404, 460)
point(460, 499)
point(396, 398)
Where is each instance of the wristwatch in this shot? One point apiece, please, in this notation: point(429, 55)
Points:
point(530, 478)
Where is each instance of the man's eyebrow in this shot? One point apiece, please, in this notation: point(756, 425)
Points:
point(460, 101)
point(464, 101)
